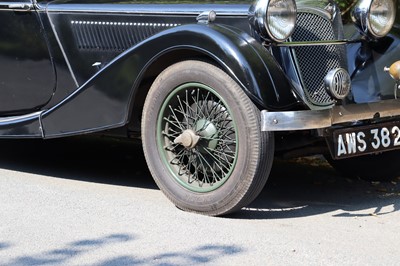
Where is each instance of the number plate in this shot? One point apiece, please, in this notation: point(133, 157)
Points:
point(364, 140)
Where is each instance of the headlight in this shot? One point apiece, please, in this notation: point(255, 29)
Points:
point(274, 19)
point(374, 17)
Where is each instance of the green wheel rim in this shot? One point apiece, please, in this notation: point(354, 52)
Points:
point(197, 137)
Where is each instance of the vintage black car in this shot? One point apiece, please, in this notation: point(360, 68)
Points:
point(215, 89)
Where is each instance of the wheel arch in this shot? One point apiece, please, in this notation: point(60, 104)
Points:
point(143, 85)
point(121, 82)
point(237, 53)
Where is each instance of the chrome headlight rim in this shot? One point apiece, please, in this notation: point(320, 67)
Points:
point(263, 12)
point(367, 13)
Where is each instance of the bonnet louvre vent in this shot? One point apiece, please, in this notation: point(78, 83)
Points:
point(113, 36)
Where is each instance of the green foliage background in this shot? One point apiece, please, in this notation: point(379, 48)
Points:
point(344, 4)
point(345, 7)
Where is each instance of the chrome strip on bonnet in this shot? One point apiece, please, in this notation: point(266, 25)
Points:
point(218, 13)
point(151, 9)
point(317, 119)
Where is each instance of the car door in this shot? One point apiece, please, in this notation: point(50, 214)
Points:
point(27, 76)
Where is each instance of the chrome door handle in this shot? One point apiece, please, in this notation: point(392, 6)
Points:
point(20, 6)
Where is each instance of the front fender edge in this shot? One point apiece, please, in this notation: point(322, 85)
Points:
point(104, 101)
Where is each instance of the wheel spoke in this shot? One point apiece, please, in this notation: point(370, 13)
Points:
point(214, 174)
point(214, 107)
point(177, 159)
point(220, 164)
point(199, 111)
point(192, 159)
point(187, 116)
point(221, 140)
point(170, 146)
point(172, 136)
point(223, 153)
point(173, 123)
point(225, 132)
point(176, 119)
point(207, 163)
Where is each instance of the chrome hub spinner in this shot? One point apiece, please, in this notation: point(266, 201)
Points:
point(188, 139)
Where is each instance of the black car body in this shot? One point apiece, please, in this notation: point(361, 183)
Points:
point(215, 89)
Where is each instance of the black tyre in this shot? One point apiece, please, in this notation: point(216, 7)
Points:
point(376, 167)
point(202, 139)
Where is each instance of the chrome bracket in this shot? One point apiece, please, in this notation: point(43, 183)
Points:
point(207, 17)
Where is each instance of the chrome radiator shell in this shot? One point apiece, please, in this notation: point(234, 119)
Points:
point(314, 62)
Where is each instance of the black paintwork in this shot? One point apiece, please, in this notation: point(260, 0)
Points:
point(116, 84)
point(91, 76)
point(27, 76)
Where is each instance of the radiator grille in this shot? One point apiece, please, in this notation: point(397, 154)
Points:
point(314, 62)
point(113, 36)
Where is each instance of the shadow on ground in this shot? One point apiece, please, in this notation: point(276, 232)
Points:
point(296, 188)
point(65, 255)
point(92, 159)
point(310, 186)
point(4, 245)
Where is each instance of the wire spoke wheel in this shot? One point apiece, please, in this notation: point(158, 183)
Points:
point(197, 137)
point(202, 139)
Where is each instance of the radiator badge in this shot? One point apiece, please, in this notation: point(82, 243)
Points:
point(338, 83)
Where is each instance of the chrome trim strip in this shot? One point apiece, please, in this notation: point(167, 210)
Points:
point(317, 119)
point(41, 128)
point(138, 24)
point(317, 11)
point(16, 6)
point(63, 51)
point(151, 9)
point(16, 119)
point(218, 13)
point(311, 43)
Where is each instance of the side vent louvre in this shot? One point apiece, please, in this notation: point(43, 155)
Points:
point(113, 36)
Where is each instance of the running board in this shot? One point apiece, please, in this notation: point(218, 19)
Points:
point(24, 126)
